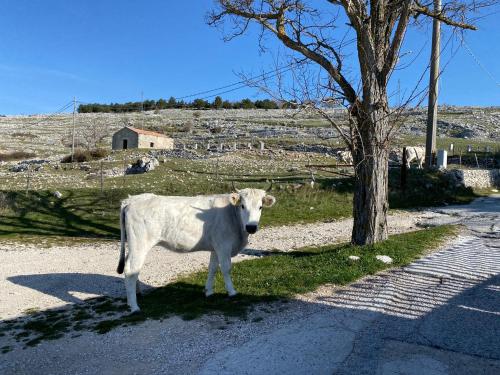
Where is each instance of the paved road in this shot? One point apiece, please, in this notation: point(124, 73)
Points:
point(439, 315)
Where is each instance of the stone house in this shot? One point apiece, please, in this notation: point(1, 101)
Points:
point(129, 137)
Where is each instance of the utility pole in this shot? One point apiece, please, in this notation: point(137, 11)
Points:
point(142, 109)
point(73, 142)
point(430, 142)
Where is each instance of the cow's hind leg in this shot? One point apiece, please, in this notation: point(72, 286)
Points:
point(133, 265)
point(225, 267)
point(131, 285)
point(212, 269)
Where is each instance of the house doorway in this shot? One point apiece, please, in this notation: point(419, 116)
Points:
point(125, 144)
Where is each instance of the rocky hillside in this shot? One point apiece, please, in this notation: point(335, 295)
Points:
point(52, 135)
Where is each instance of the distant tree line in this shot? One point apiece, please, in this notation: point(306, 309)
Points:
point(150, 105)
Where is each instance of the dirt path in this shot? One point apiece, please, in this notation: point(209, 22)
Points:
point(34, 278)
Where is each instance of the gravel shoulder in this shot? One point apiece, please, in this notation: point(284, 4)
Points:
point(35, 278)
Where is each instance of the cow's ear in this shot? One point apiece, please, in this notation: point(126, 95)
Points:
point(234, 198)
point(268, 200)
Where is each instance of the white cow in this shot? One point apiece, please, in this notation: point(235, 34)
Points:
point(218, 223)
point(415, 153)
point(345, 156)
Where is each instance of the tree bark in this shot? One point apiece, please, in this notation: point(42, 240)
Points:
point(370, 200)
point(371, 158)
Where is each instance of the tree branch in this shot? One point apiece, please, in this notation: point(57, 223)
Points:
point(399, 34)
point(418, 8)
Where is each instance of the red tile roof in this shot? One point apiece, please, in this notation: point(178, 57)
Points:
point(146, 132)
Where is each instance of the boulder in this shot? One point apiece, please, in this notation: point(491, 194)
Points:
point(142, 165)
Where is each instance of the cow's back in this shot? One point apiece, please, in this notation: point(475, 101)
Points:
point(181, 224)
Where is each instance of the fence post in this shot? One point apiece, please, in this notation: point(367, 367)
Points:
point(124, 170)
point(102, 179)
point(28, 179)
point(403, 171)
point(477, 162)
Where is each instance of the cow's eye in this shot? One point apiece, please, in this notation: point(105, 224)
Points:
point(260, 208)
point(242, 207)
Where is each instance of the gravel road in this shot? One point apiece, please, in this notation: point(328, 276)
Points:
point(439, 315)
point(39, 278)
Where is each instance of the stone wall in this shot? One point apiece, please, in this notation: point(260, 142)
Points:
point(164, 143)
point(478, 178)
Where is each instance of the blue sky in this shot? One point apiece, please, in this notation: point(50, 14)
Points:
point(111, 51)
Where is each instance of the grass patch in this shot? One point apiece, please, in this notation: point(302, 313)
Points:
point(279, 276)
point(88, 213)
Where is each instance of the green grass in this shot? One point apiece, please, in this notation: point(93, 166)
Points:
point(86, 213)
point(277, 277)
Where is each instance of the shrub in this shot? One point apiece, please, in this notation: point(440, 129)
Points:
point(24, 135)
point(99, 153)
point(187, 127)
point(16, 155)
point(6, 202)
point(82, 156)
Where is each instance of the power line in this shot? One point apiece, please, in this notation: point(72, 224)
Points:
point(479, 62)
point(59, 111)
point(261, 76)
point(239, 85)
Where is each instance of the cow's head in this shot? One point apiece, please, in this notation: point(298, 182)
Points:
point(249, 203)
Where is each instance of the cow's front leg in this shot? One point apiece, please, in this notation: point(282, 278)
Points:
point(225, 267)
point(212, 269)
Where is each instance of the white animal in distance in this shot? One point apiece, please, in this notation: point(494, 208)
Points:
point(345, 156)
point(415, 153)
point(218, 223)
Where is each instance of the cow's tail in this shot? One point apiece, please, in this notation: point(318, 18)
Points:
point(123, 238)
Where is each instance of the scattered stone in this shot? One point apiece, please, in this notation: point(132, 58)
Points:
point(57, 194)
point(143, 165)
point(353, 257)
point(85, 167)
point(19, 168)
point(384, 259)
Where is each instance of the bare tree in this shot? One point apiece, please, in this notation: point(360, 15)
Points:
point(93, 133)
point(316, 33)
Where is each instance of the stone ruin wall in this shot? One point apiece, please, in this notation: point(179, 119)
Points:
point(477, 178)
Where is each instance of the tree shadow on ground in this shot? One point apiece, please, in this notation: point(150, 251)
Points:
point(76, 214)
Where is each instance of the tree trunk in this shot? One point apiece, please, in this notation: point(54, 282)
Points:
point(371, 158)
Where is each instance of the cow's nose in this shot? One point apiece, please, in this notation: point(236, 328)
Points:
point(251, 228)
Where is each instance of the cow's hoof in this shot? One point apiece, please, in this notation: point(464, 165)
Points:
point(136, 312)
